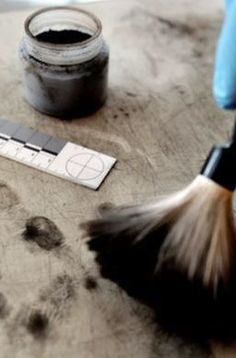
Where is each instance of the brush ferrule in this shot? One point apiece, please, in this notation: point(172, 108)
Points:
point(220, 166)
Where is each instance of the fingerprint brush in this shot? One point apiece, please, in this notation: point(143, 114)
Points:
point(178, 253)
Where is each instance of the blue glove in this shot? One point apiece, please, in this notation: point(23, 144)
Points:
point(224, 84)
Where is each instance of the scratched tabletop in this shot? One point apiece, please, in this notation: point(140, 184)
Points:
point(159, 122)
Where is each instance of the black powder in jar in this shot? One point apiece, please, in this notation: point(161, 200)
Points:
point(63, 37)
point(65, 66)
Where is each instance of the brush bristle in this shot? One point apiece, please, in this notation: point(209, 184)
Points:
point(186, 241)
point(202, 239)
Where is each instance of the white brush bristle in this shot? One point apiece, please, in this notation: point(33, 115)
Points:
point(202, 236)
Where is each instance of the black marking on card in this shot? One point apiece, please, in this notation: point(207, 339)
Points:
point(28, 146)
point(54, 146)
point(48, 152)
point(3, 138)
point(16, 142)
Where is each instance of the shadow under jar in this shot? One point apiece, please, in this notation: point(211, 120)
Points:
point(65, 61)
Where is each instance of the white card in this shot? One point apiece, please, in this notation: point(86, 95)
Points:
point(82, 165)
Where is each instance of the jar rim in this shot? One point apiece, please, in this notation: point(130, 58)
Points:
point(71, 8)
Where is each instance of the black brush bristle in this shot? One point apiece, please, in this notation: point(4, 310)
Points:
point(129, 263)
point(182, 306)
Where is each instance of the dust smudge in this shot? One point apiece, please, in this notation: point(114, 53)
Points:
point(43, 232)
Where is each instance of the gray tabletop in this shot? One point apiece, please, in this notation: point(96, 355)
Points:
point(159, 122)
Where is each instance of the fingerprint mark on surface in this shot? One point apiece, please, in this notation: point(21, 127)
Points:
point(43, 232)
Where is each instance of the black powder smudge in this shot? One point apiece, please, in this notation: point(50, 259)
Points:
point(43, 232)
point(181, 28)
point(58, 295)
point(8, 198)
point(131, 94)
point(90, 283)
point(198, 53)
point(4, 308)
point(55, 298)
point(37, 324)
point(103, 208)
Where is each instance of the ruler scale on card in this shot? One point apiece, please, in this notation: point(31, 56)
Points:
point(52, 155)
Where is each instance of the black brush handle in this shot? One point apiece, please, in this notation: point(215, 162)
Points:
point(233, 139)
point(220, 166)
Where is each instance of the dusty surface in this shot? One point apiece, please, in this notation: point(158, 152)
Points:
point(159, 121)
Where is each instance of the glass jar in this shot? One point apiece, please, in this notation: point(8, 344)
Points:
point(65, 61)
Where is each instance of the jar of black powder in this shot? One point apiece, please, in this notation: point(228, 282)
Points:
point(65, 61)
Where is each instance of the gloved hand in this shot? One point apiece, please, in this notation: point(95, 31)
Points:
point(224, 84)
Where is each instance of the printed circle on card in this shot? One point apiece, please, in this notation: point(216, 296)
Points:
point(85, 166)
